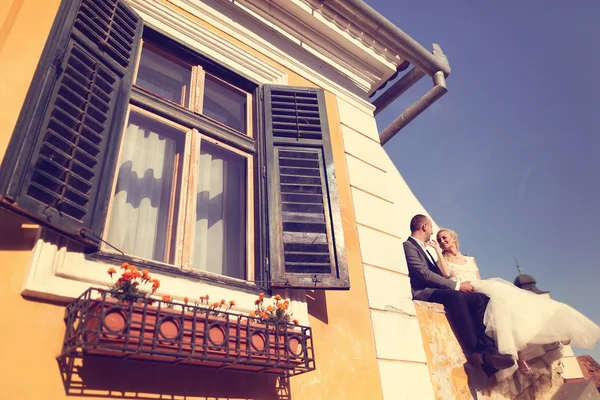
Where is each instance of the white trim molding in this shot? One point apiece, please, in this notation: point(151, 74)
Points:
point(59, 271)
point(326, 40)
point(234, 19)
point(203, 40)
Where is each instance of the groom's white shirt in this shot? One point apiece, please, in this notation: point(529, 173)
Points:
point(424, 247)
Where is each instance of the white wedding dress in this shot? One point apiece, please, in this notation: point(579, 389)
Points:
point(518, 319)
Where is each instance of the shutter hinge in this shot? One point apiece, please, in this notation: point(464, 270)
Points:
point(266, 268)
point(264, 171)
point(316, 280)
point(57, 62)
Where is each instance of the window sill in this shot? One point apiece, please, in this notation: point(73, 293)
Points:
point(155, 267)
point(59, 271)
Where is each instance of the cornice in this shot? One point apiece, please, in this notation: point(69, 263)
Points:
point(160, 16)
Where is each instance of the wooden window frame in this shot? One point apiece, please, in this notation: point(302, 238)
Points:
point(197, 127)
point(152, 47)
point(190, 204)
point(187, 134)
point(198, 77)
point(249, 104)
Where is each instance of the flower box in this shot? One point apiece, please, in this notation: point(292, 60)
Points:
point(175, 333)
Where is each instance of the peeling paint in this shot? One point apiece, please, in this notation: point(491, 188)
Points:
point(452, 378)
point(398, 311)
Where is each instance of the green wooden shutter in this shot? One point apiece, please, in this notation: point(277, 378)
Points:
point(306, 241)
point(59, 164)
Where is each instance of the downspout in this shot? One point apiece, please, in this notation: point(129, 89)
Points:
point(358, 13)
point(397, 89)
point(413, 111)
point(374, 25)
point(410, 78)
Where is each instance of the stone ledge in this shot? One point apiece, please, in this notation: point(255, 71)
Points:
point(434, 307)
point(453, 378)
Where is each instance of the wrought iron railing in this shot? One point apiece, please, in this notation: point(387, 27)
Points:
point(167, 332)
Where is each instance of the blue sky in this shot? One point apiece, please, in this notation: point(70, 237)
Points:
point(509, 156)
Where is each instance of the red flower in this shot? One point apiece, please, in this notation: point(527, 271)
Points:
point(166, 298)
point(295, 322)
point(231, 303)
point(111, 271)
point(277, 297)
point(185, 300)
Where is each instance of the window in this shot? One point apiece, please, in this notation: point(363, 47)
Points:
point(164, 75)
point(182, 197)
point(178, 80)
point(144, 208)
point(173, 159)
point(225, 103)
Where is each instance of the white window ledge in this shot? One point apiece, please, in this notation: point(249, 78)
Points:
point(59, 271)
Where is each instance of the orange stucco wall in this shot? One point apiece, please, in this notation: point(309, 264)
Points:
point(31, 333)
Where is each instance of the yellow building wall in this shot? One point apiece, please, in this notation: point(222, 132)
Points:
point(31, 334)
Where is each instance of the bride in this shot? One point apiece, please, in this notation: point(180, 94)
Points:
point(517, 319)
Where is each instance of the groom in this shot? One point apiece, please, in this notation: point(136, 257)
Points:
point(464, 308)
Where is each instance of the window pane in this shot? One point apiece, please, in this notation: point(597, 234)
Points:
point(164, 77)
point(142, 220)
point(220, 229)
point(224, 103)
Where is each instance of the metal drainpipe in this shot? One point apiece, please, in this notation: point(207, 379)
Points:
point(413, 111)
point(397, 89)
point(377, 26)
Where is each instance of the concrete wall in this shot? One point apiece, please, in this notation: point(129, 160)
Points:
point(453, 379)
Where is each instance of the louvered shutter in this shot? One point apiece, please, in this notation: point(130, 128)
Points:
point(306, 241)
point(59, 164)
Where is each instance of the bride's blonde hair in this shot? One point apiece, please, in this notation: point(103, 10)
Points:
point(454, 236)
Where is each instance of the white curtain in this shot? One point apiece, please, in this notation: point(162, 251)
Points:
point(140, 207)
point(220, 228)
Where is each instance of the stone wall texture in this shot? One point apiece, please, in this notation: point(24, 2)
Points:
point(453, 378)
